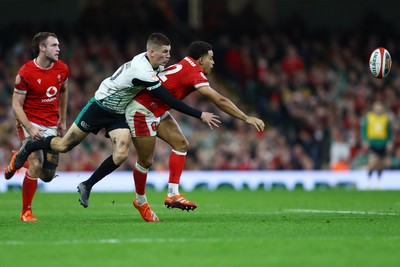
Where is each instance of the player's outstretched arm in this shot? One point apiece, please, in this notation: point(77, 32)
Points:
point(226, 105)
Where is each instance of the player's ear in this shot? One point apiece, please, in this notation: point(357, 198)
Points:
point(42, 47)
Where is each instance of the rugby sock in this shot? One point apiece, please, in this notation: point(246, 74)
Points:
point(29, 186)
point(176, 164)
point(140, 178)
point(379, 174)
point(107, 167)
point(141, 199)
point(43, 143)
point(370, 173)
point(173, 189)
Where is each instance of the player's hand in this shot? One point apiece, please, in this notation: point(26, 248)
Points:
point(210, 119)
point(257, 123)
point(35, 132)
point(61, 128)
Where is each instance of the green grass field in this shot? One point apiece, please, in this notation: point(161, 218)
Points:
point(230, 228)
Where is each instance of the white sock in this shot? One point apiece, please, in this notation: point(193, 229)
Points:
point(141, 199)
point(173, 189)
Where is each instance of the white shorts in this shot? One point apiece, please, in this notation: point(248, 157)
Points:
point(141, 121)
point(46, 130)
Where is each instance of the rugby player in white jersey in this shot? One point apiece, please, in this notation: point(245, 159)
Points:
point(107, 110)
point(149, 117)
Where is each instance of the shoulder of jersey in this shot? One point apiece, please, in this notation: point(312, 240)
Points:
point(141, 63)
point(61, 64)
point(27, 65)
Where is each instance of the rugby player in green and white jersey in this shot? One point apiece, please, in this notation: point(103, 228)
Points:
point(107, 110)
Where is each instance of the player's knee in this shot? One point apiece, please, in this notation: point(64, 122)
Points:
point(121, 153)
point(67, 147)
point(47, 175)
point(120, 156)
point(181, 146)
point(145, 163)
point(185, 144)
point(35, 166)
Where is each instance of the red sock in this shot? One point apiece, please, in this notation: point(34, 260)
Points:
point(29, 186)
point(176, 164)
point(140, 178)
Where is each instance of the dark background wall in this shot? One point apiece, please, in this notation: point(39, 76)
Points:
point(317, 14)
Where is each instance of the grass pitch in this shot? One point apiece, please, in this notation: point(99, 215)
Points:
point(229, 228)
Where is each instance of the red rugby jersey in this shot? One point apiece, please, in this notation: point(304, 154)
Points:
point(42, 90)
point(180, 79)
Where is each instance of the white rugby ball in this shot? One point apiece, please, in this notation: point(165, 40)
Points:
point(380, 62)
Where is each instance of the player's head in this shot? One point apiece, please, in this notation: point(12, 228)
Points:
point(203, 54)
point(46, 44)
point(158, 49)
point(378, 107)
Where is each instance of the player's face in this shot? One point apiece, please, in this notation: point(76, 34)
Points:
point(161, 56)
point(207, 62)
point(51, 49)
point(378, 108)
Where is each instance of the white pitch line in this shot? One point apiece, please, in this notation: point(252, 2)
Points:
point(107, 241)
point(342, 212)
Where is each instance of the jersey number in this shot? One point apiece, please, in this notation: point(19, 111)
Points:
point(170, 70)
point(119, 71)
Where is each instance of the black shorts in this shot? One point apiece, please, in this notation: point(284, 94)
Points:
point(379, 151)
point(94, 117)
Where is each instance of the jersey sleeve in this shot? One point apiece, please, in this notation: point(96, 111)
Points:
point(66, 71)
point(198, 80)
point(148, 79)
point(20, 85)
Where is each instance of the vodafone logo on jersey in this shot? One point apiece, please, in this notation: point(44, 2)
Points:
point(50, 92)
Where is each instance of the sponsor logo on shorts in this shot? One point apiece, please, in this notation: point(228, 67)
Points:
point(85, 125)
point(154, 126)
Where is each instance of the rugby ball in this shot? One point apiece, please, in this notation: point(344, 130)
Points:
point(380, 62)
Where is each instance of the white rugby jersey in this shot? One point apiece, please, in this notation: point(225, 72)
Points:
point(117, 91)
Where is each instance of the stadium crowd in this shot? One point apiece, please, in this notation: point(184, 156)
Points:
point(311, 88)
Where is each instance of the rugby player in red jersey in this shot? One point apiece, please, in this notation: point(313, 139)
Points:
point(149, 117)
point(40, 105)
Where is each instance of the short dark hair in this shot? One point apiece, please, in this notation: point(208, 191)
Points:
point(40, 39)
point(198, 49)
point(157, 39)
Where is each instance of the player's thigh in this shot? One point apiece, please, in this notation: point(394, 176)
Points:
point(169, 131)
point(145, 146)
